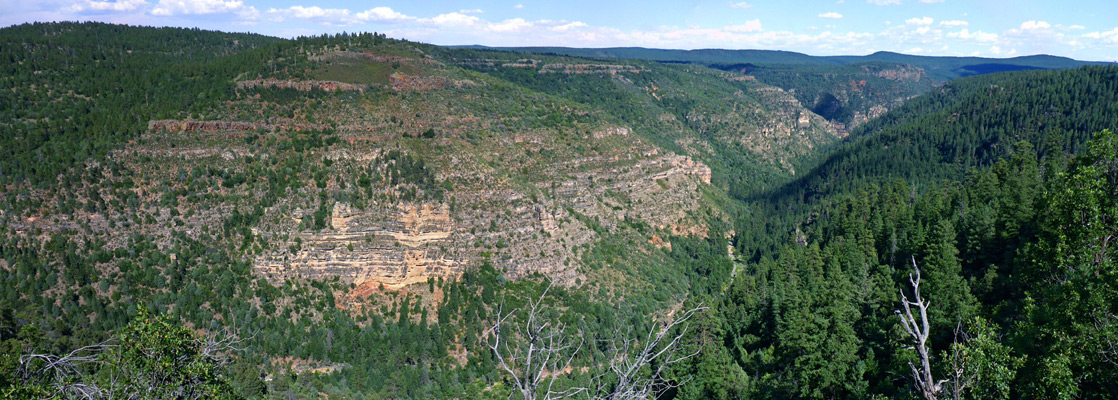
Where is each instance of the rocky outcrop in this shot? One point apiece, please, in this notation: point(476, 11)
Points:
point(686, 166)
point(401, 82)
point(611, 69)
point(302, 86)
point(522, 63)
point(905, 72)
point(863, 117)
point(619, 131)
point(187, 125)
point(398, 59)
point(204, 126)
point(392, 248)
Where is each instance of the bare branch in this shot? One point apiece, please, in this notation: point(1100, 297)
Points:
point(544, 350)
point(1104, 324)
point(919, 330)
point(659, 348)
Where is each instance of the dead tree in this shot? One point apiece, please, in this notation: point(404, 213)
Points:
point(1104, 325)
point(72, 375)
point(533, 351)
point(928, 386)
point(962, 375)
point(65, 372)
point(219, 347)
point(657, 352)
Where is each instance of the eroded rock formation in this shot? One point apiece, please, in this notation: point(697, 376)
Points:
point(392, 247)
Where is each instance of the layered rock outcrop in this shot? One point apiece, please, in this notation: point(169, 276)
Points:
point(388, 247)
point(303, 86)
point(610, 69)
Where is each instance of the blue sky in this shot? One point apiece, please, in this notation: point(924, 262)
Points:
point(1086, 30)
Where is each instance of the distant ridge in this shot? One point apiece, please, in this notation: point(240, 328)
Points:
point(941, 68)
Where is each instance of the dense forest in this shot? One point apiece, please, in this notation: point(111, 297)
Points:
point(957, 246)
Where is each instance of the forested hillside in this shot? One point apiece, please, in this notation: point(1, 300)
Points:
point(1001, 190)
point(966, 125)
point(1015, 270)
point(78, 91)
point(198, 214)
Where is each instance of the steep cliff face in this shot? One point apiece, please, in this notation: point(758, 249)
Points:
point(392, 248)
point(900, 73)
point(539, 226)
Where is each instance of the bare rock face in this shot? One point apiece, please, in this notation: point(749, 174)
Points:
point(228, 127)
point(399, 244)
point(874, 112)
point(902, 73)
point(203, 126)
point(610, 69)
point(302, 86)
point(684, 165)
point(392, 248)
point(621, 131)
point(555, 68)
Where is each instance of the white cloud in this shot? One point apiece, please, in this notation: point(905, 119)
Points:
point(119, 5)
point(741, 5)
point(931, 1)
point(315, 12)
point(1077, 27)
point(509, 25)
point(567, 27)
point(830, 15)
point(382, 14)
point(454, 19)
point(884, 2)
point(748, 26)
point(197, 7)
point(474, 11)
point(954, 23)
point(978, 36)
point(1034, 25)
point(518, 6)
point(998, 51)
point(919, 21)
point(1110, 36)
point(248, 14)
